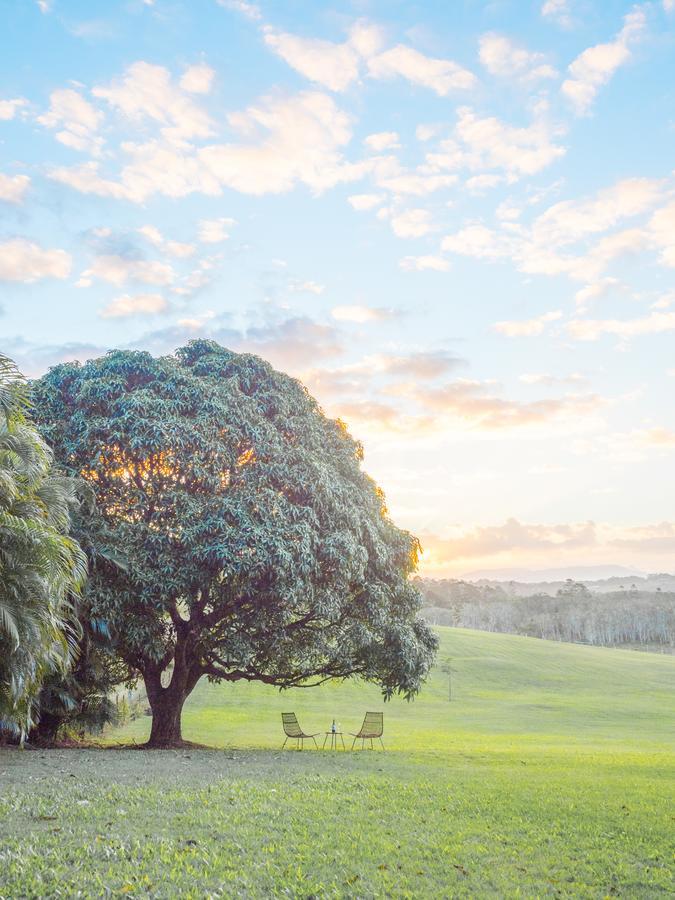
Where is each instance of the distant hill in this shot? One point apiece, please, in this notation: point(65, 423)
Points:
point(576, 573)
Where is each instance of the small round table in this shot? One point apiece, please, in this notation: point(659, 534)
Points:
point(333, 735)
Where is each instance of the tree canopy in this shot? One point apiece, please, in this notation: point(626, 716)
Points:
point(40, 565)
point(255, 546)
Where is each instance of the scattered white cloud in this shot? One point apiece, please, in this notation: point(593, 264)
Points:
point(306, 287)
point(332, 65)
point(383, 140)
point(557, 11)
point(8, 108)
point(13, 187)
point(118, 270)
point(527, 327)
point(26, 261)
point(571, 220)
point(250, 10)
point(592, 329)
point(422, 263)
point(488, 143)
point(197, 79)
point(135, 305)
point(77, 120)
point(593, 68)
point(440, 75)
point(503, 57)
point(411, 223)
point(214, 231)
point(147, 91)
point(177, 249)
point(478, 184)
point(364, 202)
point(590, 292)
point(44, 6)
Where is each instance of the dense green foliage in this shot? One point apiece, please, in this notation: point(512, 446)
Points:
point(40, 565)
point(547, 776)
point(255, 547)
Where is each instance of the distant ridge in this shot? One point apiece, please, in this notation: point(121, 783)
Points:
point(577, 573)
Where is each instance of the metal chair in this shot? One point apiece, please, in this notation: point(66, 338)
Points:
point(293, 730)
point(373, 726)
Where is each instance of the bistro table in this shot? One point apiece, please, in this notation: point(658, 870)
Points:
point(333, 735)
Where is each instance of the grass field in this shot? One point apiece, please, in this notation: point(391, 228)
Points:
point(549, 774)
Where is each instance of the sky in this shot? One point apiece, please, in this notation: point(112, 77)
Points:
point(454, 221)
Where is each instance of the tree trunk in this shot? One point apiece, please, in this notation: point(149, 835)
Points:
point(167, 709)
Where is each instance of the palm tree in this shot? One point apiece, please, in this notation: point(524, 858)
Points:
point(41, 567)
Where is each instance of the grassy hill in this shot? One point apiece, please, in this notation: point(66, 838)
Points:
point(504, 687)
point(549, 774)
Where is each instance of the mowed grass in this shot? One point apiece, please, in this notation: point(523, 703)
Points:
point(549, 774)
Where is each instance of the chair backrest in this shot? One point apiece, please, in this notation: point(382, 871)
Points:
point(373, 725)
point(291, 725)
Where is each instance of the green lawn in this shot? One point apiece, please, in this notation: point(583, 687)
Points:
point(549, 774)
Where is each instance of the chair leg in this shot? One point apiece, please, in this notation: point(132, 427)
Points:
point(353, 742)
point(371, 743)
point(284, 744)
point(316, 746)
point(382, 743)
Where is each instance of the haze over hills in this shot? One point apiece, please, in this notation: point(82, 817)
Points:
point(577, 573)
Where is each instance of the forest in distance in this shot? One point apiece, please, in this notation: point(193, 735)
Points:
point(635, 613)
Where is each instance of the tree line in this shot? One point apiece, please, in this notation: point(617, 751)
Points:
point(575, 612)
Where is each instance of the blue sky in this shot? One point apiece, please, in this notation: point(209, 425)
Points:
point(454, 221)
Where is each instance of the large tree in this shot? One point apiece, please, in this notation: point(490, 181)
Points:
point(41, 567)
point(255, 546)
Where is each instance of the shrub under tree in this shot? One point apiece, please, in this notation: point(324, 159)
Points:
point(255, 546)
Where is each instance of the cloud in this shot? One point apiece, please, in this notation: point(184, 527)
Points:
point(499, 540)
point(197, 79)
point(411, 223)
point(594, 291)
point(422, 263)
point(477, 404)
point(25, 261)
point(658, 437)
point(147, 92)
point(118, 270)
point(77, 120)
point(592, 329)
point(558, 11)
point(571, 220)
point(135, 305)
point(250, 10)
point(360, 314)
point(176, 249)
point(488, 143)
point(527, 327)
point(383, 140)
point(440, 75)
point(305, 287)
point(505, 59)
point(593, 68)
point(540, 248)
point(44, 6)
point(12, 188)
point(8, 108)
point(303, 135)
point(214, 231)
point(286, 141)
point(364, 202)
point(332, 65)
point(661, 231)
